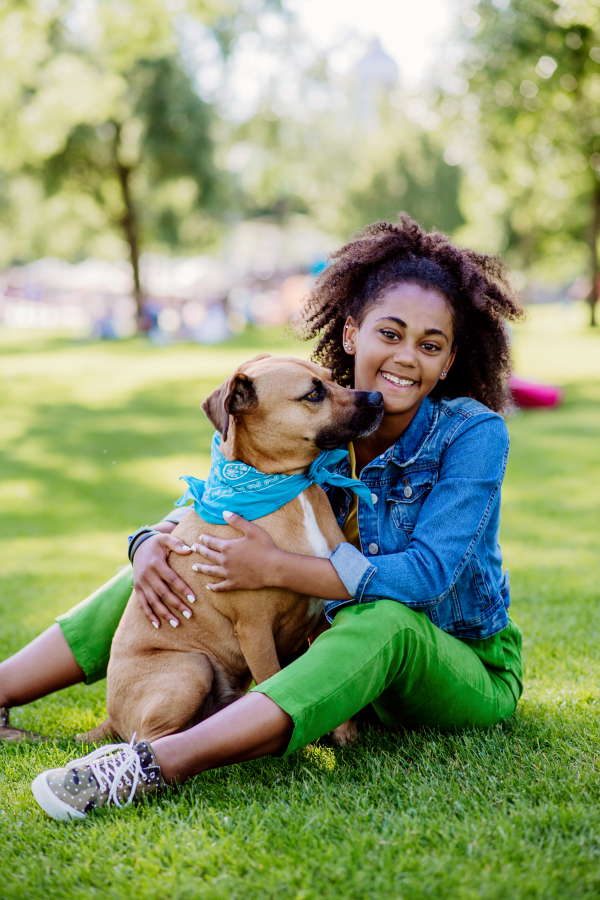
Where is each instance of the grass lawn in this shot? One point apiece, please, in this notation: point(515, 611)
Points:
point(92, 439)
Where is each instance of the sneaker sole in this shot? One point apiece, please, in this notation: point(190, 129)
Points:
point(50, 803)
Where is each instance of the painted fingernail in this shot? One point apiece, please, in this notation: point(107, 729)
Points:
point(227, 514)
point(191, 598)
point(185, 547)
point(187, 614)
point(155, 624)
point(208, 587)
point(194, 547)
point(174, 622)
point(195, 568)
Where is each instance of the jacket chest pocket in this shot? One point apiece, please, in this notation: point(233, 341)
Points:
point(407, 497)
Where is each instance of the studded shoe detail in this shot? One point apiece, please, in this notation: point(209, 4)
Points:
point(113, 775)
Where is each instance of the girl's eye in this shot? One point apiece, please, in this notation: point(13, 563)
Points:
point(430, 346)
point(389, 334)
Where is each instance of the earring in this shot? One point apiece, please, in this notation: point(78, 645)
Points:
point(443, 375)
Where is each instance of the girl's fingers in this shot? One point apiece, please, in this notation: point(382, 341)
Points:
point(207, 552)
point(170, 603)
point(216, 571)
point(159, 607)
point(166, 574)
point(219, 586)
point(146, 608)
point(173, 543)
point(239, 522)
point(210, 541)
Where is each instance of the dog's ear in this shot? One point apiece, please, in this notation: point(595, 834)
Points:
point(231, 398)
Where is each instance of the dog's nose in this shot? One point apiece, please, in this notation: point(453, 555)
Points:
point(374, 398)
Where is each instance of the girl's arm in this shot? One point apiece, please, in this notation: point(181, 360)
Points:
point(255, 561)
point(449, 526)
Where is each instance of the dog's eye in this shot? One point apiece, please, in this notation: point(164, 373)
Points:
point(316, 394)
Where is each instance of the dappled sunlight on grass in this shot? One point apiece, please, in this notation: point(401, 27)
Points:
point(509, 812)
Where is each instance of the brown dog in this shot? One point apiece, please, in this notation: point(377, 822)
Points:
point(275, 414)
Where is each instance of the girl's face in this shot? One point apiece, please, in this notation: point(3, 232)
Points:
point(402, 347)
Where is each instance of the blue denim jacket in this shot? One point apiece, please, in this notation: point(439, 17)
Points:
point(432, 540)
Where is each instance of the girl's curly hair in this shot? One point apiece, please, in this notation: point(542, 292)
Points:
point(383, 255)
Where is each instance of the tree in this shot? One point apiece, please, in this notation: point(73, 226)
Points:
point(100, 104)
point(409, 175)
point(532, 72)
point(158, 134)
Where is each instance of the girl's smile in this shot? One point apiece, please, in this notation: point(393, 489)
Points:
point(402, 347)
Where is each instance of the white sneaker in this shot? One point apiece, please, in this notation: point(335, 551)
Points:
point(116, 774)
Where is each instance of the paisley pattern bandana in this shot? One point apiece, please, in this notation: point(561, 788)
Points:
point(241, 489)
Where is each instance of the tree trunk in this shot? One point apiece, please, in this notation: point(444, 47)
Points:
point(593, 295)
point(129, 224)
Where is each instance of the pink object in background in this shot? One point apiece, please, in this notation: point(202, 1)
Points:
point(528, 395)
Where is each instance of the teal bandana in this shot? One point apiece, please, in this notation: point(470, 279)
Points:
point(241, 489)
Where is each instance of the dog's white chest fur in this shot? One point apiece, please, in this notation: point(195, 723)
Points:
point(317, 542)
point(313, 532)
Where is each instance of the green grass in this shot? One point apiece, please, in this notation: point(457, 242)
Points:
point(93, 438)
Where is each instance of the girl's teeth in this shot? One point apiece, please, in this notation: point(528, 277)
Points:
point(402, 382)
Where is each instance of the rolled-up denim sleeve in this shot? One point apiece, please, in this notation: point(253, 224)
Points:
point(449, 526)
point(353, 568)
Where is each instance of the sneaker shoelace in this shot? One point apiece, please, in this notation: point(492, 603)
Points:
point(111, 766)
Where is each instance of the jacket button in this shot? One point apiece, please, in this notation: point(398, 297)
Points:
point(408, 491)
point(373, 549)
point(374, 498)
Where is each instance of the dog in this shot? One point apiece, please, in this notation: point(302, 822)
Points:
point(275, 414)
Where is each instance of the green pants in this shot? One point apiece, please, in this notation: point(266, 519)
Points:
point(381, 653)
point(90, 626)
point(412, 673)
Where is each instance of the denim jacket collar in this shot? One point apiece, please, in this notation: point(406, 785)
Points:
point(411, 442)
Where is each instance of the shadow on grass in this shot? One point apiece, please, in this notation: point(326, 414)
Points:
point(152, 424)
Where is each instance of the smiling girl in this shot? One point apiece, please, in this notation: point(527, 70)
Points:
point(416, 597)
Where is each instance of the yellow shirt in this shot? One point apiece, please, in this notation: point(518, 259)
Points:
point(350, 529)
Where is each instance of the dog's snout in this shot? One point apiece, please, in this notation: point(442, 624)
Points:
point(370, 398)
point(375, 399)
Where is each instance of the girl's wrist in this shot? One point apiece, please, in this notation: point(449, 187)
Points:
point(277, 568)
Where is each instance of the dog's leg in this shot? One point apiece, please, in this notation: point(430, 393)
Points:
point(158, 693)
point(258, 646)
point(100, 733)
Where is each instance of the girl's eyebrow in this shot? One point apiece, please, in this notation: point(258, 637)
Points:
point(403, 324)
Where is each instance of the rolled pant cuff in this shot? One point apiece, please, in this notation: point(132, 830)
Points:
point(294, 710)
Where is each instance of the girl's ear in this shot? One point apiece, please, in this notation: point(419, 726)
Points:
point(349, 338)
point(448, 365)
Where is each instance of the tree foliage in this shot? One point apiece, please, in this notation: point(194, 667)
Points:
point(534, 66)
point(101, 110)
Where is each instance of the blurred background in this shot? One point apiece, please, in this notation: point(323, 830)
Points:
point(182, 168)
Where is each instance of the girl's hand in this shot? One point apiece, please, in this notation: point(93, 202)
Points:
point(243, 563)
point(156, 583)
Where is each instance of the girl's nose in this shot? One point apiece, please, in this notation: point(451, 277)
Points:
point(405, 354)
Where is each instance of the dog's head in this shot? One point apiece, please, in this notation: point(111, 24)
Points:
point(278, 413)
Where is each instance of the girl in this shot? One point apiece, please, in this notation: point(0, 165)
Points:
point(417, 597)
